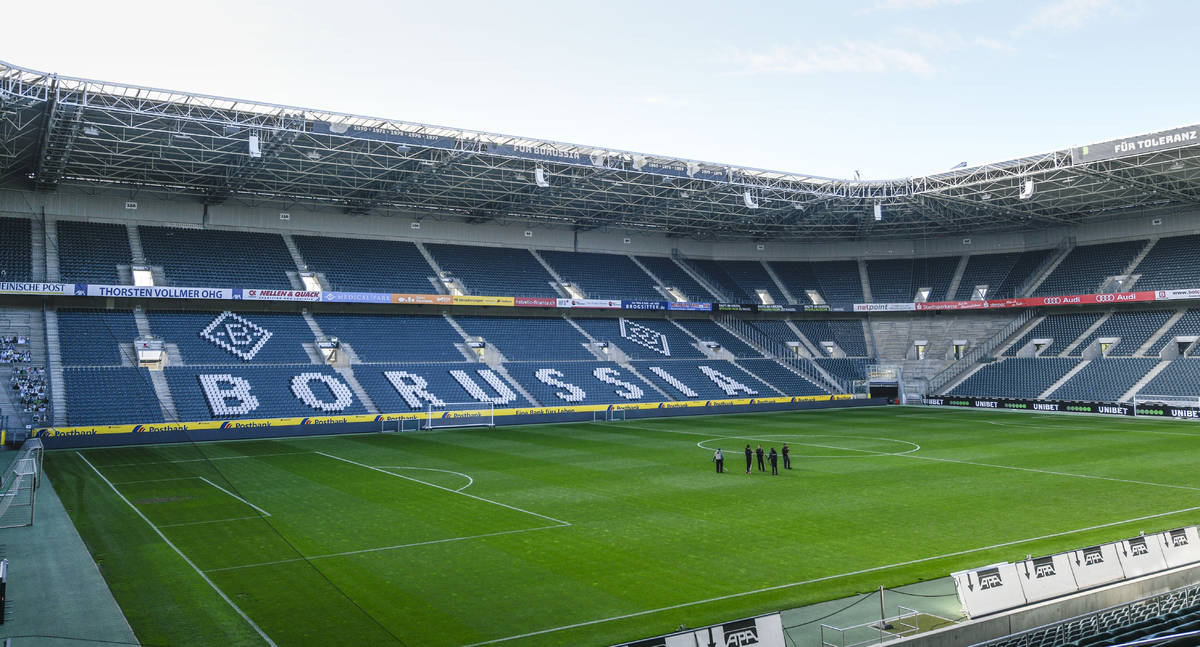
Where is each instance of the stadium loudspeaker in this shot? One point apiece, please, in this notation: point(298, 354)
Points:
point(878, 212)
point(541, 177)
point(1043, 578)
point(255, 148)
point(1027, 190)
point(1141, 555)
point(989, 589)
point(1181, 546)
point(1096, 566)
point(750, 200)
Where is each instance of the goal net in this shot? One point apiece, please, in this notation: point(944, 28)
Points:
point(610, 414)
point(1158, 402)
point(19, 484)
point(460, 414)
point(401, 425)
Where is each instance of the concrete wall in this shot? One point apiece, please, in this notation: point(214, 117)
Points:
point(108, 205)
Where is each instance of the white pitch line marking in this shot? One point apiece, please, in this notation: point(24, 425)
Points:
point(470, 481)
point(180, 478)
point(477, 498)
point(264, 512)
point(180, 553)
point(200, 523)
point(382, 548)
point(826, 578)
point(203, 460)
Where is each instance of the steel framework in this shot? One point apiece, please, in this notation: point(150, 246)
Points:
point(57, 129)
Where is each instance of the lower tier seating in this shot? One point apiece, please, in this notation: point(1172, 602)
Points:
point(1016, 377)
point(237, 391)
point(846, 368)
point(703, 379)
point(94, 337)
point(1181, 377)
point(110, 396)
point(1104, 379)
point(568, 383)
point(709, 330)
point(778, 376)
point(395, 338)
point(413, 387)
point(1062, 328)
point(520, 338)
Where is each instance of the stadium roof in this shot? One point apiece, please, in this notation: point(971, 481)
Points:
point(58, 130)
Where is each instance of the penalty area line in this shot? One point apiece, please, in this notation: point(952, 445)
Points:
point(175, 548)
point(826, 578)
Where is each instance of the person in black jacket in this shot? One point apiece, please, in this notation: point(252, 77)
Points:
point(787, 457)
point(759, 453)
point(774, 458)
point(748, 454)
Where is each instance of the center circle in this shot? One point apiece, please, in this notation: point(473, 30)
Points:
point(819, 445)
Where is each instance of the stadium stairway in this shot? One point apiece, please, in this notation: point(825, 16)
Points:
point(812, 349)
point(1064, 379)
point(37, 249)
point(1085, 334)
point(1047, 267)
point(1017, 335)
point(51, 251)
point(779, 284)
point(956, 278)
point(54, 366)
point(1146, 379)
point(705, 281)
point(1137, 260)
point(558, 280)
point(165, 400)
point(866, 280)
point(659, 285)
point(819, 378)
point(1153, 339)
point(437, 269)
point(347, 374)
point(135, 244)
point(297, 258)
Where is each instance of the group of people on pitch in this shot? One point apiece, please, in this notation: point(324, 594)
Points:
point(773, 457)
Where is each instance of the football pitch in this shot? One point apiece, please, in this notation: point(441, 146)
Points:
point(597, 533)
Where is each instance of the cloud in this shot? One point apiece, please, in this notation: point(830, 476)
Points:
point(946, 41)
point(1065, 14)
point(912, 5)
point(664, 101)
point(849, 56)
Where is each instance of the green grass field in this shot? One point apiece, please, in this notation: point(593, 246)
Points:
point(592, 534)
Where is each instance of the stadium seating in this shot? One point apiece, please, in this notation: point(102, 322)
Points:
point(1104, 379)
point(1086, 267)
point(739, 279)
point(1171, 263)
point(359, 265)
point(503, 271)
point(775, 374)
point(232, 338)
point(1134, 328)
point(1187, 326)
point(703, 379)
point(709, 330)
point(216, 258)
point(837, 282)
point(589, 383)
point(1181, 377)
point(1062, 328)
point(673, 276)
point(845, 368)
point(603, 276)
point(896, 280)
point(847, 333)
point(643, 338)
point(15, 254)
point(413, 387)
point(776, 330)
point(89, 252)
point(395, 338)
point(240, 391)
point(521, 338)
point(1015, 377)
point(110, 395)
point(93, 337)
point(1002, 273)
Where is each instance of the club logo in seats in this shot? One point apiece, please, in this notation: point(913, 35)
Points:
point(236, 334)
point(644, 336)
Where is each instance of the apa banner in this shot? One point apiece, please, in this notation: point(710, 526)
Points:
point(590, 303)
point(761, 631)
point(161, 292)
point(280, 295)
point(690, 305)
point(29, 287)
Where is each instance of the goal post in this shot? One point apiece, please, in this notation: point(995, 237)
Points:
point(608, 414)
point(400, 425)
point(1159, 402)
point(19, 485)
point(460, 414)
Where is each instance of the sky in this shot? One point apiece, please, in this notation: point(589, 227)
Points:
point(889, 88)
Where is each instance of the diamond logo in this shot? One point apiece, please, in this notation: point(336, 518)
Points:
point(644, 336)
point(236, 334)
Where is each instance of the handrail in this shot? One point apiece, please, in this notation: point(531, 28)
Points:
point(946, 375)
point(780, 352)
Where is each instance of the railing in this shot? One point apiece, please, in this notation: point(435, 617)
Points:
point(1063, 248)
point(781, 353)
point(946, 375)
point(713, 285)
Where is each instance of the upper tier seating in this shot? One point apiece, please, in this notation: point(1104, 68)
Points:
point(1002, 273)
point(1134, 328)
point(709, 330)
point(89, 252)
point(776, 330)
point(838, 282)
point(15, 256)
point(234, 338)
point(688, 379)
point(1187, 326)
point(271, 386)
point(414, 383)
point(93, 337)
point(520, 338)
point(778, 376)
point(846, 333)
point(219, 259)
point(603, 276)
point(494, 271)
point(110, 396)
point(896, 280)
point(845, 368)
point(643, 337)
point(1104, 379)
point(360, 265)
point(740, 279)
point(593, 382)
point(1086, 267)
point(1181, 377)
point(673, 276)
point(1171, 263)
point(395, 338)
point(1016, 377)
point(1062, 328)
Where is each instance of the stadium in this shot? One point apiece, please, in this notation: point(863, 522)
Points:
point(284, 376)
